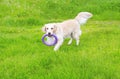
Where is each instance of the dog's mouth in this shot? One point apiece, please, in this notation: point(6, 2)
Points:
point(49, 35)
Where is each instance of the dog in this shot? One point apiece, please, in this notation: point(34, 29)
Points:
point(67, 29)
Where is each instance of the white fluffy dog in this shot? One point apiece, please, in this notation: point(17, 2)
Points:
point(69, 28)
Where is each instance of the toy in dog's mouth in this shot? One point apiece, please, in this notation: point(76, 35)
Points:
point(49, 40)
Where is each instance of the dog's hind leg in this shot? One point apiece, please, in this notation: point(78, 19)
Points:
point(77, 40)
point(76, 37)
point(70, 41)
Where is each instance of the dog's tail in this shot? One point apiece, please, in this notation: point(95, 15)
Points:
point(82, 17)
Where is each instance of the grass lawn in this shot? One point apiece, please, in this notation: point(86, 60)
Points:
point(24, 56)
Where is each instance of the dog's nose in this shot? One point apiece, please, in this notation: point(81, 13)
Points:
point(49, 33)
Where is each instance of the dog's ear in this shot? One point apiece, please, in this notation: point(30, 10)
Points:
point(44, 29)
point(55, 28)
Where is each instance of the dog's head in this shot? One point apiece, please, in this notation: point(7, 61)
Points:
point(49, 28)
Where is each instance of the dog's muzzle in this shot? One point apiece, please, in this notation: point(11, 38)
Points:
point(49, 34)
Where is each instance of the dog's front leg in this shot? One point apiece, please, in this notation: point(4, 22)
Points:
point(59, 43)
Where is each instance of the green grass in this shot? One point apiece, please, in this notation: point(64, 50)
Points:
point(38, 12)
point(24, 56)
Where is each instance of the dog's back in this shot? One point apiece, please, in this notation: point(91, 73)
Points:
point(69, 26)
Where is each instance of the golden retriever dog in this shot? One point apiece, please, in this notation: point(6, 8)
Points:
point(69, 28)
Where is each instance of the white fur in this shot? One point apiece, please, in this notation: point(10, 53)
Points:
point(69, 28)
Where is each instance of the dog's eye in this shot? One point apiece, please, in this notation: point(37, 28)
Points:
point(51, 28)
point(47, 28)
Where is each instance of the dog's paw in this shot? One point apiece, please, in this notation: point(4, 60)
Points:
point(55, 49)
point(70, 42)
